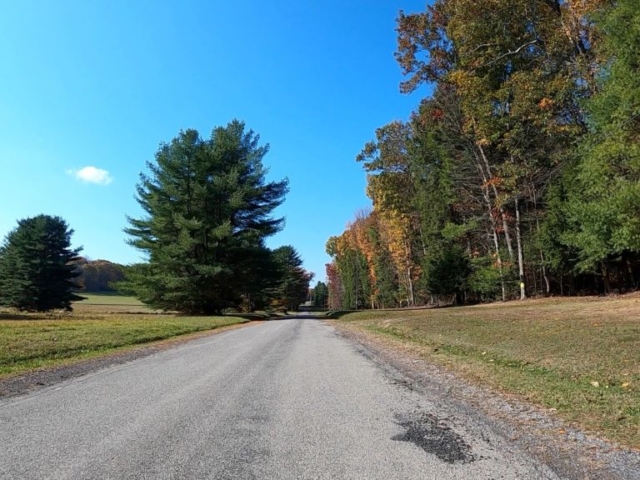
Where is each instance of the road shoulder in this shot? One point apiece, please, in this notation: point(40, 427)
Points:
point(569, 452)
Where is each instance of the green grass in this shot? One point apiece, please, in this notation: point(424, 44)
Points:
point(28, 342)
point(108, 302)
point(108, 299)
point(579, 356)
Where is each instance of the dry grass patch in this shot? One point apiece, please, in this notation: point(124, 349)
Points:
point(580, 356)
point(109, 303)
point(28, 342)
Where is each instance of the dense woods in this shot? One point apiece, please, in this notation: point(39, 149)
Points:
point(98, 275)
point(518, 175)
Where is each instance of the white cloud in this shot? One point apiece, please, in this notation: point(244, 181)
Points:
point(92, 175)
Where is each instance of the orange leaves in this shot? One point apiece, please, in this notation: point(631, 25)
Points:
point(493, 181)
point(437, 114)
point(546, 104)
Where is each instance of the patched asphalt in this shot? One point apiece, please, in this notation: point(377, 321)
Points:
point(287, 399)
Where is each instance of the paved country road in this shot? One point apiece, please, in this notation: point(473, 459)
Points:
point(287, 399)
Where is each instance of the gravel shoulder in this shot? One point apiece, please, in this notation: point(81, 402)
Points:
point(569, 452)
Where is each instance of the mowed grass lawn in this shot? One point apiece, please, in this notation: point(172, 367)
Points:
point(580, 356)
point(109, 303)
point(31, 341)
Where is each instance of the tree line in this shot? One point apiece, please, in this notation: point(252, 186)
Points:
point(518, 175)
point(208, 210)
point(98, 275)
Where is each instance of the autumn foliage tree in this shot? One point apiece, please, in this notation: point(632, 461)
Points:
point(519, 170)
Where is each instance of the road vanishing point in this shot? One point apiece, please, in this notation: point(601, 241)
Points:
point(285, 399)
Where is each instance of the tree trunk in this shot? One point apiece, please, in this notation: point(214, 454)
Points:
point(523, 294)
point(494, 231)
point(543, 267)
point(632, 282)
point(410, 299)
point(606, 277)
point(505, 225)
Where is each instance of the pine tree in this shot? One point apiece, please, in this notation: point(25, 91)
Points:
point(293, 287)
point(208, 210)
point(320, 295)
point(36, 265)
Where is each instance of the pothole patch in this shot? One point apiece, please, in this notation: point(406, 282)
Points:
point(434, 437)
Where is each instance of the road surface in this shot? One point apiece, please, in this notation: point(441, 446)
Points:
point(287, 399)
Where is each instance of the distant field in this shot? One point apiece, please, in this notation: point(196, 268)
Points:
point(108, 299)
point(580, 356)
point(109, 303)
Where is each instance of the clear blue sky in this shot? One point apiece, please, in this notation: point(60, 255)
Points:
point(101, 83)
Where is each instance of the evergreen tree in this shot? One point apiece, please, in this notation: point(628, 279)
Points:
point(320, 295)
point(208, 210)
point(293, 287)
point(449, 273)
point(36, 265)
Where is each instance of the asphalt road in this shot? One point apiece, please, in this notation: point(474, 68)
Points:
point(287, 399)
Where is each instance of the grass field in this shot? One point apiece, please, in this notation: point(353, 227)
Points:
point(109, 303)
point(108, 299)
point(99, 325)
point(580, 356)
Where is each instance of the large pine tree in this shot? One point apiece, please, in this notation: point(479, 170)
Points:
point(208, 210)
point(36, 265)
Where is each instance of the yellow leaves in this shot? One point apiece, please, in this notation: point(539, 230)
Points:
point(584, 7)
point(625, 385)
point(462, 79)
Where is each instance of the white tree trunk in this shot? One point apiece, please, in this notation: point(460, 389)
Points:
point(523, 294)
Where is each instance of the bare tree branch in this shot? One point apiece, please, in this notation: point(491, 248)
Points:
point(509, 53)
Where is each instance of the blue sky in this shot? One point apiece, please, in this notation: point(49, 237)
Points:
point(100, 84)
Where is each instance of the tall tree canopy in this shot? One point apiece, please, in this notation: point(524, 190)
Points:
point(208, 211)
point(37, 269)
point(519, 174)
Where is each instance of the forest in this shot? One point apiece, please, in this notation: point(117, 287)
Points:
point(517, 175)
